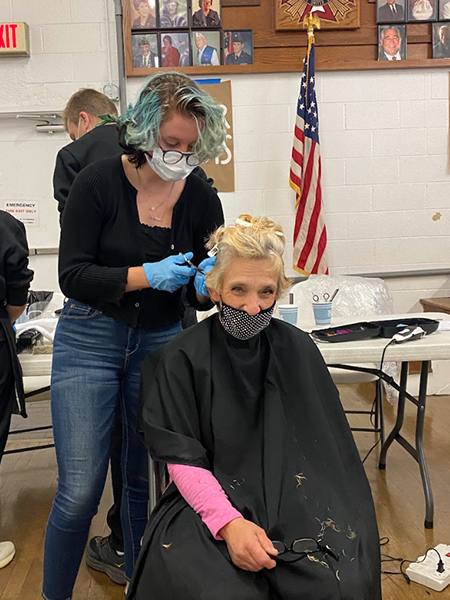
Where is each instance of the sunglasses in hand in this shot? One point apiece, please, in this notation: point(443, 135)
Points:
point(302, 547)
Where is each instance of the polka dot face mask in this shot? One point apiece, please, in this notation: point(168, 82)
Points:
point(240, 324)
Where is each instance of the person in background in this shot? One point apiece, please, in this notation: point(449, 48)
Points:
point(83, 115)
point(391, 12)
point(145, 20)
point(169, 54)
point(132, 236)
point(441, 49)
point(421, 10)
point(444, 11)
point(206, 55)
point(15, 278)
point(206, 16)
point(390, 44)
point(93, 142)
point(146, 58)
point(170, 16)
point(238, 56)
point(185, 54)
point(268, 497)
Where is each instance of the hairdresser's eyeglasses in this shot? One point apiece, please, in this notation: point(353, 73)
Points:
point(172, 157)
point(302, 547)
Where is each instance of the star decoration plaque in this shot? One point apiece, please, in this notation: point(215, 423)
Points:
point(333, 14)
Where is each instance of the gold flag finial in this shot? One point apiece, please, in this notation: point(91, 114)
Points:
point(310, 22)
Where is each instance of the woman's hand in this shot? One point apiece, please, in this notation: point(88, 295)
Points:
point(199, 281)
point(170, 273)
point(249, 547)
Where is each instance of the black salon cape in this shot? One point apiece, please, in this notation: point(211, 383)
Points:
point(265, 417)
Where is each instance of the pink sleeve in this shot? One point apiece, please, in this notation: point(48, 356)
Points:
point(205, 495)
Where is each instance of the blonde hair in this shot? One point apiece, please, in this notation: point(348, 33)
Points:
point(88, 100)
point(255, 238)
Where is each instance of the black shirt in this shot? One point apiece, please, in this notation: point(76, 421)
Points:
point(15, 276)
point(101, 238)
point(244, 58)
point(101, 142)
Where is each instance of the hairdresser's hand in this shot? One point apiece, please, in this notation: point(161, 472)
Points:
point(249, 547)
point(199, 281)
point(169, 274)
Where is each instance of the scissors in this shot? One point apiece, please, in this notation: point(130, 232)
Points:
point(325, 297)
point(190, 264)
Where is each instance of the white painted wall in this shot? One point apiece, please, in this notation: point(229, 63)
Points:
point(384, 139)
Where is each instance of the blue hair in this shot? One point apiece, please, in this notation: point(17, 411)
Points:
point(162, 95)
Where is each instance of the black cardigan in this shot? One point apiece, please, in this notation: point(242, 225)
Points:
point(101, 238)
point(99, 143)
point(15, 276)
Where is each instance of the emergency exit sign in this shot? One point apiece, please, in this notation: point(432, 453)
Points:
point(14, 39)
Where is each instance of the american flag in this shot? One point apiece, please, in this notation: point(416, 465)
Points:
point(310, 234)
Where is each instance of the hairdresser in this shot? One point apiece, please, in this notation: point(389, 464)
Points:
point(130, 223)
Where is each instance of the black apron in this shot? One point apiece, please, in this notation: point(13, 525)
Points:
point(265, 418)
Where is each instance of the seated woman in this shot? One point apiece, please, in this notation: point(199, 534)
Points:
point(268, 499)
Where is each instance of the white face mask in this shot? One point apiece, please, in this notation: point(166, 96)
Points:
point(168, 172)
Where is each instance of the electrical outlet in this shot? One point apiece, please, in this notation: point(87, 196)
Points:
point(425, 570)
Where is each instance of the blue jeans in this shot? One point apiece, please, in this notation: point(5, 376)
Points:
point(96, 367)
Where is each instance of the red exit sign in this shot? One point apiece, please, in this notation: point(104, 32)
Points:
point(14, 39)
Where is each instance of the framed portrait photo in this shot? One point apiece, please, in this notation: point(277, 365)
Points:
point(444, 10)
point(145, 50)
point(392, 42)
point(238, 47)
point(441, 40)
point(206, 13)
point(175, 49)
point(205, 48)
point(422, 11)
point(143, 14)
point(173, 14)
point(391, 11)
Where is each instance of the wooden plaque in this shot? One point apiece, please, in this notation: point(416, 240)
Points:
point(333, 14)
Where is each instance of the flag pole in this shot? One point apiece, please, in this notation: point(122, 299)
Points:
point(309, 235)
point(309, 23)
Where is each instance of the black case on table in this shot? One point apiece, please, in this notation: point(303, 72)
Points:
point(347, 333)
point(390, 327)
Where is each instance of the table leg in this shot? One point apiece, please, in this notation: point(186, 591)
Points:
point(380, 409)
point(400, 416)
point(429, 502)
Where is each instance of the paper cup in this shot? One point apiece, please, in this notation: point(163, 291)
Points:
point(322, 313)
point(288, 313)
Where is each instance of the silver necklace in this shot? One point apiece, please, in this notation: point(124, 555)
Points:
point(153, 208)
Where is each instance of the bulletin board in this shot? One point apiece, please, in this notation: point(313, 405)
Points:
point(276, 49)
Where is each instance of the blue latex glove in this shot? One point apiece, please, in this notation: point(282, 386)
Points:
point(199, 281)
point(168, 274)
